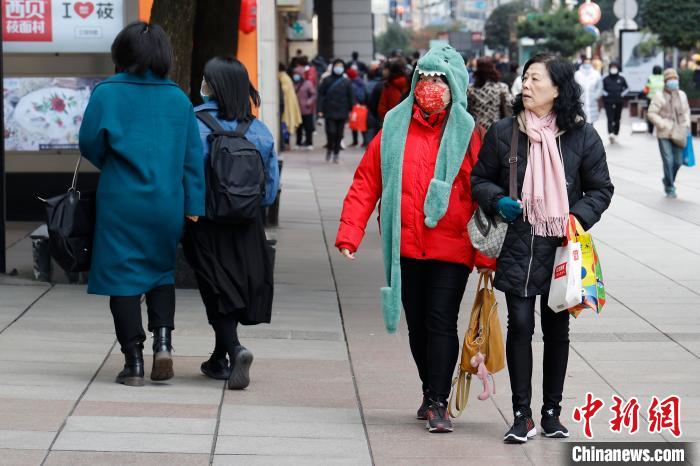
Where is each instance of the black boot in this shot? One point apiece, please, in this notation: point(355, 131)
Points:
point(216, 368)
point(132, 374)
point(162, 357)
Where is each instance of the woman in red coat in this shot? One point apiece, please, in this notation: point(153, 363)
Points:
point(435, 260)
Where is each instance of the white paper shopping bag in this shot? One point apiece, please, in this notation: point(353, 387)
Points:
point(565, 289)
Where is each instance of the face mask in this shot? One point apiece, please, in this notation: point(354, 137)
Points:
point(614, 71)
point(432, 97)
point(587, 66)
point(338, 70)
point(296, 78)
point(673, 84)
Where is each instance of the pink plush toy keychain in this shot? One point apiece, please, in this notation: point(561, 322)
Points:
point(483, 374)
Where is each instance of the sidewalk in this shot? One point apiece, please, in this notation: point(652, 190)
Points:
point(328, 385)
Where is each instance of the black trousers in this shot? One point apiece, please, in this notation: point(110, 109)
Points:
point(334, 133)
point(555, 332)
point(306, 129)
point(225, 325)
point(614, 114)
point(431, 292)
point(126, 311)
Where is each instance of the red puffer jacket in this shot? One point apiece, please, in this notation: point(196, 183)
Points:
point(449, 240)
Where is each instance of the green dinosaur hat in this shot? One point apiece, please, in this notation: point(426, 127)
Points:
point(440, 61)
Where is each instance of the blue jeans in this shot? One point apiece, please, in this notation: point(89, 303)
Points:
point(672, 159)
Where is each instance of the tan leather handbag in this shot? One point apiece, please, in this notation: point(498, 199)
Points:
point(482, 336)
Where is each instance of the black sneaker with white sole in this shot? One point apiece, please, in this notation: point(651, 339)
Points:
point(551, 427)
point(523, 428)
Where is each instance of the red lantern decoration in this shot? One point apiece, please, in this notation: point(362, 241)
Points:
point(249, 16)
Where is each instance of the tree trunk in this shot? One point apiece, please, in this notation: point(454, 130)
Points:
point(177, 17)
point(215, 35)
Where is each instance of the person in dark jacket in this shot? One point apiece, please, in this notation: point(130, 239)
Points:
point(562, 170)
point(374, 88)
point(335, 101)
point(614, 91)
point(151, 179)
point(396, 87)
point(233, 262)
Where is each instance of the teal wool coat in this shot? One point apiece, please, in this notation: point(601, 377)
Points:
point(141, 132)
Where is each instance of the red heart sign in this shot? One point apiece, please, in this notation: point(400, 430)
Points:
point(84, 9)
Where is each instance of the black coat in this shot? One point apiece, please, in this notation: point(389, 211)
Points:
point(614, 87)
point(524, 267)
point(335, 101)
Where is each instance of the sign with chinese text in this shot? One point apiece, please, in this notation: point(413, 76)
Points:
point(60, 26)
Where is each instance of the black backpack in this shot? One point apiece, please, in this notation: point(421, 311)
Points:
point(235, 174)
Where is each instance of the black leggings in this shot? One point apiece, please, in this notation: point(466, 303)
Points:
point(225, 325)
point(126, 311)
point(555, 331)
point(431, 292)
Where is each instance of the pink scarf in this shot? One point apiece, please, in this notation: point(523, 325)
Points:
point(545, 200)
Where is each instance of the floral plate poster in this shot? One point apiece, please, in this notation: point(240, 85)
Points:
point(44, 114)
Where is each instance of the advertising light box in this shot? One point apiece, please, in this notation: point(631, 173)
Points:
point(44, 114)
point(60, 26)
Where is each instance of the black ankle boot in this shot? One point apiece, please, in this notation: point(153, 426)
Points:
point(132, 374)
point(162, 356)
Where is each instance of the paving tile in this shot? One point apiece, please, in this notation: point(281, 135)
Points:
point(18, 414)
point(275, 446)
point(87, 458)
point(290, 414)
point(159, 410)
point(153, 425)
point(266, 460)
point(299, 429)
point(26, 439)
point(133, 442)
point(13, 457)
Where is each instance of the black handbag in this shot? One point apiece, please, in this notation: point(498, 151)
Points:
point(70, 219)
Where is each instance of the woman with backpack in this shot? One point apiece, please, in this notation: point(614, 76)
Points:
point(140, 131)
point(228, 249)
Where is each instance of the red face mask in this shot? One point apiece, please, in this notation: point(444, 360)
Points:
point(431, 97)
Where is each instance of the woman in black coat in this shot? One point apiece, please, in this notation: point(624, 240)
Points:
point(561, 158)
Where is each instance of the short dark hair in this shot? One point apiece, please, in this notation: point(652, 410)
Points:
point(485, 71)
point(141, 47)
point(657, 70)
point(228, 79)
point(567, 106)
point(355, 55)
point(338, 60)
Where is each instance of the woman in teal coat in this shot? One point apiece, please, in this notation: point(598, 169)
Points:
point(140, 130)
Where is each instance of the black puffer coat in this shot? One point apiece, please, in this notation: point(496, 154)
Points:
point(524, 267)
point(335, 99)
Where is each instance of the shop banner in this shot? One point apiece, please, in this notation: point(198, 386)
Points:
point(60, 26)
point(44, 114)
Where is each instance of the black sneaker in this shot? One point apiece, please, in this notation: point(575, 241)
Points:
point(240, 369)
point(438, 418)
point(551, 427)
point(216, 368)
point(523, 428)
point(422, 413)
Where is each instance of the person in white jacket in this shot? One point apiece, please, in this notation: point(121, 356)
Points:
point(591, 83)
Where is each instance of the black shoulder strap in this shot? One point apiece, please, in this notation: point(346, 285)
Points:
point(209, 120)
point(513, 161)
point(242, 128)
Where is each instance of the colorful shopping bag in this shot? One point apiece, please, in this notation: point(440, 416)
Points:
point(592, 284)
point(689, 153)
point(358, 118)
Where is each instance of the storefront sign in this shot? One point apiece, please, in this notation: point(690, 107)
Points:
point(53, 26)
